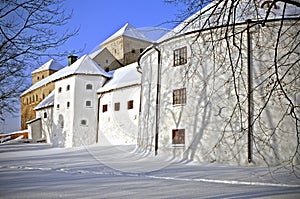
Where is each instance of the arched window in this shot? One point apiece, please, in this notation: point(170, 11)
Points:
point(89, 87)
point(83, 122)
point(45, 115)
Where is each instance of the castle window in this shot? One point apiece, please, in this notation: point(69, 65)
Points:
point(27, 100)
point(59, 90)
point(141, 50)
point(179, 96)
point(36, 97)
point(180, 56)
point(88, 103)
point(267, 4)
point(83, 122)
point(68, 87)
point(133, 51)
point(45, 115)
point(104, 108)
point(57, 106)
point(68, 104)
point(43, 96)
point(89, 87)
point(117, 106)
point(42, 76)
point(130, 104)
point(178, 137)
point(38, 77)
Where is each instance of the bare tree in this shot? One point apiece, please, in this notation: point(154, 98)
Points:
point(28, 32)
point(276, 84)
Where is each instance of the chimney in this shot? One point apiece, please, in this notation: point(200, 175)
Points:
point(71, 59)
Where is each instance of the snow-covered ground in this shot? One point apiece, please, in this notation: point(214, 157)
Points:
point(40, 171)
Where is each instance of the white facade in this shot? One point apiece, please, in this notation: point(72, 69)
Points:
point(75, 104)
point(213, 123)
point(119, 102)
point(46, 115)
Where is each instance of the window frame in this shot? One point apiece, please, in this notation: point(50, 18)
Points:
point(83, 122)
point(179, 96)
point(130, 104)
point(117, 106)
point(89, 87)
point(181, 138)
point(104, 108)
point(180, 56)
point(90, 103)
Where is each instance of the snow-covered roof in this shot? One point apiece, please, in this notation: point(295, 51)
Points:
point(209, 16)
point(50, 65)
point(33, 120)
point(123, 77)
point(47, 102)
point(129, 31)
point(84, 65)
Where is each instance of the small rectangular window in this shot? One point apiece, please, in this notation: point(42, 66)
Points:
point(88, 103)
point(59, 90)
point(178, 136)
point(68, 104)
point(89, 87)
point(130, 104)
point(83, 122)
point(104, 108)
point(180, 56)
point(179, 96)
point(68, 87)
point(117, 106)
point(57, 106)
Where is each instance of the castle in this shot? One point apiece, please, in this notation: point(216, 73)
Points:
point(181, 95)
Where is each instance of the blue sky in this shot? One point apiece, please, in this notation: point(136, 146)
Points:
point(99, 19)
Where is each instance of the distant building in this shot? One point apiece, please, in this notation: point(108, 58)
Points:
point(38, 91)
